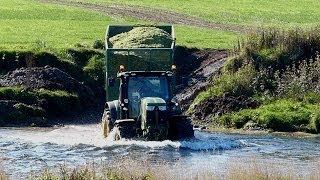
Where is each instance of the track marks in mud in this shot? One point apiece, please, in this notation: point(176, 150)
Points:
point(150, 14)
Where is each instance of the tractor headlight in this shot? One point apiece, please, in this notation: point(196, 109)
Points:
point(162, 108)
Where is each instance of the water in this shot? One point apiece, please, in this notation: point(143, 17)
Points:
point(25, 150)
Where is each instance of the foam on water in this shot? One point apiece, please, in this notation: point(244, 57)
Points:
point(90, 135)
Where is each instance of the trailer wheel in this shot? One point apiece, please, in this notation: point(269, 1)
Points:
point(107, 123)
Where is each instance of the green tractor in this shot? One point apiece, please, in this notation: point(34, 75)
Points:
point(140, 87)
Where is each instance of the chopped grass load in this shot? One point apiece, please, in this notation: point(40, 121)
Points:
point(142, 37)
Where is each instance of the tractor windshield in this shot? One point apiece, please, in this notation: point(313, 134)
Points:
point(140, 87)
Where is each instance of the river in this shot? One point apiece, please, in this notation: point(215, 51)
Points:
point(31, 150)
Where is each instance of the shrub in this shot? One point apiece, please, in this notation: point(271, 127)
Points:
point(81, 56)
point(315, 122)
point(95, 69)
point(98, 44)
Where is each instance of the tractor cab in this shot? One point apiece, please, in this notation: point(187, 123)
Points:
point(137, 86)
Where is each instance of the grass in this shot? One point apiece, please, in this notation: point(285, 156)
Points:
point(31, 25)
point(236, 170)
point(248, 12)
point(40, 103)
point(279, 65)
point(280, 115)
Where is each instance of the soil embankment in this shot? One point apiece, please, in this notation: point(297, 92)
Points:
point(54, 90)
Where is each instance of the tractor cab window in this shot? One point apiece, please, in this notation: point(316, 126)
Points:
point(140, 87)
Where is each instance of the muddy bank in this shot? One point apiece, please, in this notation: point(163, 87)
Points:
point(43, 89)
point(38, 88)
point(198, 66)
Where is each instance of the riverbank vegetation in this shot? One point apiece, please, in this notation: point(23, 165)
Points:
point(275, 71)
point(37, 85)
point(251, 171)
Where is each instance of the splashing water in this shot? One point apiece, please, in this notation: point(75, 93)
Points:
point(31, 149)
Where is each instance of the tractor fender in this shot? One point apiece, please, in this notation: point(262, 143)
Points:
point(114, 109)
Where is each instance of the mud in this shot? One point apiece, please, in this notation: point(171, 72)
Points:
point(150, 14)
point(44, 77)
point(221, 105)
point(199, 66)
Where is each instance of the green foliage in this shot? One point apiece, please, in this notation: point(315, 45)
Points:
point(17, 94)
point(80, 56)
point(235, 84)
point(315, 122)
point(95, 69)
point(31, 111)
point(56, 102)
point(59, 102)
point(278, 49)
point(98, 44)
point(280, 115)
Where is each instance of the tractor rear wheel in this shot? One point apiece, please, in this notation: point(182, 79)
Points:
point(181, 128)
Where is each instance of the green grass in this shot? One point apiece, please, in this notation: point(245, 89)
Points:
point(25, 24)
point(249, 12)
point(205, 38)
point(280, 115)
point(29, 25)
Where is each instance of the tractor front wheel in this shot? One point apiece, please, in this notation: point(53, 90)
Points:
point(107, 123)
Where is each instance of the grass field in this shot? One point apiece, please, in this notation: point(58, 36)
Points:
point(248, 12)
point(26, 24)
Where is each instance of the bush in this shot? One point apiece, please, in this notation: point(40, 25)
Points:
point(95, 69)
point(315, 122)
point(81, 56)
point(31, 111)
point(98, 44)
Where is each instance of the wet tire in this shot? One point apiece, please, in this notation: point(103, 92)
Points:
point(107, 123)
point(125, 130)
point(182, 129)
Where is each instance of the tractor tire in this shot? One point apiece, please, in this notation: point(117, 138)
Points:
point(183, 129)
point(107, 123)
point(124, 131)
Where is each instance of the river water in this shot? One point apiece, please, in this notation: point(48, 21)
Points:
point(31, 150)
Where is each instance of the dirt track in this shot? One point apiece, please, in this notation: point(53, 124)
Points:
point(154, 15)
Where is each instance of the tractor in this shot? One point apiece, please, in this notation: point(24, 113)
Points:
point(140, 86)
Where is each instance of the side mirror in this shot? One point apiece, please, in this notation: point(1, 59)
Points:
point(185, 81)
point(111, 82)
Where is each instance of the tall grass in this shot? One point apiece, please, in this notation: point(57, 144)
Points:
point(249, 169)
point(283, 65)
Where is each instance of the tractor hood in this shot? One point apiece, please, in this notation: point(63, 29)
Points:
point(153, 112)
point(149, 103)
